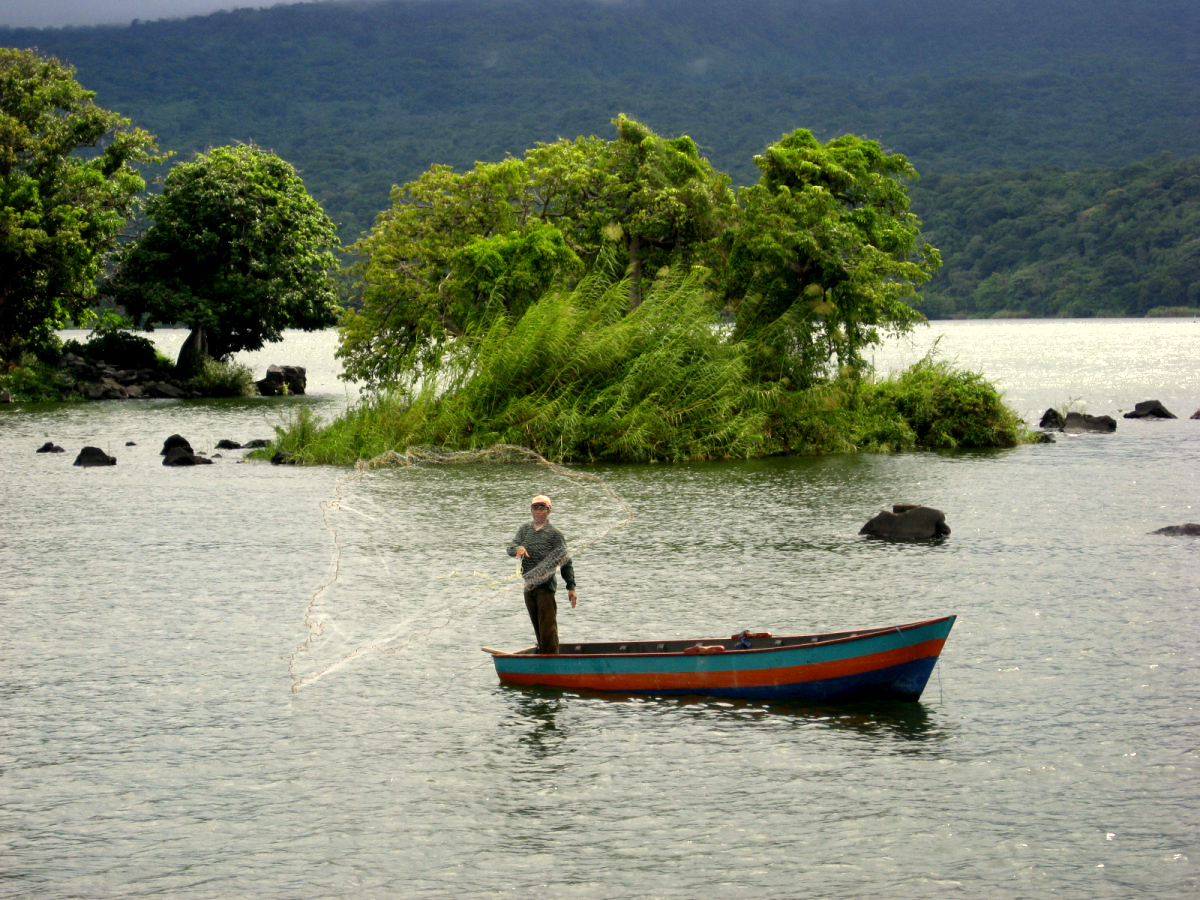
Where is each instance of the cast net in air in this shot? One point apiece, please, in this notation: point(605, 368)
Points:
point(418, 543)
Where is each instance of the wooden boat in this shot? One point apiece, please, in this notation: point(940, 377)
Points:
point(891, 663)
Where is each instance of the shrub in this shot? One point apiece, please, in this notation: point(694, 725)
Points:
point(120, 349)
point(35, 382)
point(223, 379)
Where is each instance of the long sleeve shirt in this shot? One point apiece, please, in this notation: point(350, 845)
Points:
point(547, 549)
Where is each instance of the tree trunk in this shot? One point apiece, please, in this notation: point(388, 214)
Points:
point(635, 272)
point(192, 354)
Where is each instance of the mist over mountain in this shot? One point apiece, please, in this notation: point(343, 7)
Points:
point(361, 96)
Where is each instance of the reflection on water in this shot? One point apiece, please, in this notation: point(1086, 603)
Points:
point(901, 722)
point(535, 714)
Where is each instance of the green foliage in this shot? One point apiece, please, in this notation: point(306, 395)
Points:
point(34, 381)
point(1050, 243)
point(67, 185)
point(826, 254)
point(947, 409)
point(457, 250)
point(237, 248)
point(223, 379)
point(120, 349)
point(577, 376)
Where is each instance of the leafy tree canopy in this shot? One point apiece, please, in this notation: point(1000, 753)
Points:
point(67, 186)
point(457, 250)
point(819, 256)
point(826, 254)
point(238, 250)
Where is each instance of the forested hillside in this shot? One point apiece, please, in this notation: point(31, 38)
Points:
point(1112, 242)
point(361, 96)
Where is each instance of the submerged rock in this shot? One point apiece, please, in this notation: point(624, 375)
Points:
point(1077, 423)
point(94, 456)
point(1051, 418)
point(1150, 409)
point(908, 522)
point(181, 456)
point(281, 458)
point(256, 444)
point(50, 447)
point(226, 444)
point(1191, 529)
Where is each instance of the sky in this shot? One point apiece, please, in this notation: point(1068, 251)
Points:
point(54, 13)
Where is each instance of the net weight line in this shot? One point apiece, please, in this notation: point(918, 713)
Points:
point(416, 456)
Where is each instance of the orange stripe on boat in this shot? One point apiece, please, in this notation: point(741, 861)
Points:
point(818, 671)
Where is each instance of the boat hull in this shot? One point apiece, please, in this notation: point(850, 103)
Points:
point(875, 664)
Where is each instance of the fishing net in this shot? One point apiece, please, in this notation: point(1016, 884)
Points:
point(404, 525)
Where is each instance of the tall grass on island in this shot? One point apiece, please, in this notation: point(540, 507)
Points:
point(578, 377)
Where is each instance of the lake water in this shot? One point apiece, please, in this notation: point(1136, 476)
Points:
point(151, 744)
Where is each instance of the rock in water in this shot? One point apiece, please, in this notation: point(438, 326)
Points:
point(1150, 409)
point(94, 456)
point(1051, 418)
point(283, 380)
point(908, 522)
point(183, 456)
point(226, 444)
point(50, 447)
point(1077, 423)
point(175, 440)
point(1191, 529)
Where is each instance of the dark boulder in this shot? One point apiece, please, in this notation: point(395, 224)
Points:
point(1042, 438)
point(1191, 529)
point(50, 447)
point(175, 440)
point(165, 389)
point(130, 444)
point(226, 444)
point(1051, 418)
point(182, 456)
point(1076, 423)
point(1150, 409)
point(1195, 415)
point(283, 380)
point(908, 522)
point(94, 456)
point(256, 444)
point(5, 397)
point(281, 458)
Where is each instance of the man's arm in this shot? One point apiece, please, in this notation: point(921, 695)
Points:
point(517, 541)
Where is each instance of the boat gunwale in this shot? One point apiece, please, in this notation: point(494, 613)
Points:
point(842, 637)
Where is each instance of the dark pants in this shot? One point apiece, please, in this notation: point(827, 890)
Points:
point(543, 612)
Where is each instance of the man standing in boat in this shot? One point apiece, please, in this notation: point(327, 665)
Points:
point(541, 548)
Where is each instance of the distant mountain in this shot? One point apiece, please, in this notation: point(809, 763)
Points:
point(360, 96)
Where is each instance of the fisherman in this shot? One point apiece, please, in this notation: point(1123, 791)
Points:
point(541, 548)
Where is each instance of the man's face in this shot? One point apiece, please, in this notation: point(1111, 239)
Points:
point(541, 512)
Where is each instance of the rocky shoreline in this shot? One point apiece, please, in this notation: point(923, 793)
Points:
point(97, 380)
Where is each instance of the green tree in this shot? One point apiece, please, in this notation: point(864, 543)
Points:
point(67, 186)
point(826, 255)
point(237, 250)
point(457, 250)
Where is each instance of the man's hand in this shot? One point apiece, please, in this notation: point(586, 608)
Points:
point(574, 598)
point(521, 551)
